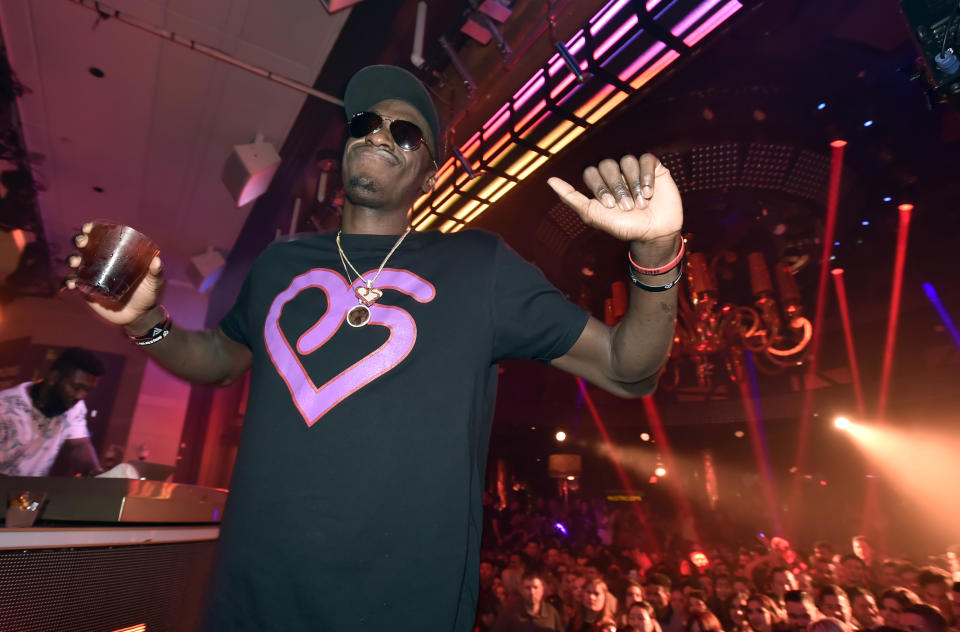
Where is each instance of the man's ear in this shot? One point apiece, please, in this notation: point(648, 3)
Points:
point(429, 182)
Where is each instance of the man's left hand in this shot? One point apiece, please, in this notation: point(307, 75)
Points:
point(633, 200)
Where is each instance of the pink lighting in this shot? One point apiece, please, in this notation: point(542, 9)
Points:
point(903, 233)
point(573, 46)
point(693, 17)
point(616, 27)
point(654, 69)
point(712, 22)
point(621, 474)
point(563, 84)
point(518, 103)
point(496, 121)
point(616, 37)
point(833, 197)
point(848, 335)
point(641, 61)
point(533, 112)
point(606, 16)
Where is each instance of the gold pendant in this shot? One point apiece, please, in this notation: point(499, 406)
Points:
point(358, 316)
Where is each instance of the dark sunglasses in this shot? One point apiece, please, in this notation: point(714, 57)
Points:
point(408, 136)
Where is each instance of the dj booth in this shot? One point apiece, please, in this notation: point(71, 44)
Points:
point(108, 555)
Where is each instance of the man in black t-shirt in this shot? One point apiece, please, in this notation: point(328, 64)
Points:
point(356, 497)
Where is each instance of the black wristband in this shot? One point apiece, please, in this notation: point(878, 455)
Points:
point(655, 288)
point(156, 333)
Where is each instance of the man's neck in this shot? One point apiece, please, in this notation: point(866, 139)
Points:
point(40, 395)
point(532, 609)
point(359, 220)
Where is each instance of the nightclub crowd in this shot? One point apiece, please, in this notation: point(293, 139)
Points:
point(606, 567)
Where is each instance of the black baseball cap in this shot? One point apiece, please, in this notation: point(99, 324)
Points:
point(373, 84)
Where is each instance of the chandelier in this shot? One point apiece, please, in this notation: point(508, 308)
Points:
point(712, 332)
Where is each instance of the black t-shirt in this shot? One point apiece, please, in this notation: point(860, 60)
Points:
point(356, 497)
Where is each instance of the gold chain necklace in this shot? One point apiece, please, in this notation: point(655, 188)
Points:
point(367, 294)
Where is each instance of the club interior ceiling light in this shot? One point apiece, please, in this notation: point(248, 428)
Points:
point(620, 49)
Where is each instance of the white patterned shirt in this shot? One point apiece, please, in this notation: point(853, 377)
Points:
point(29, 440)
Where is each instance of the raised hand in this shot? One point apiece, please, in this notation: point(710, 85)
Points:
point(141, 299)
point(633, 200)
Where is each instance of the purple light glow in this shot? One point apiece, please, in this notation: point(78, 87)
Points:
point(607, 16)
point(578, 40)
point(559, 527)
point(712, 22)
point(641, 61)
point(693, 17)
point(615, 37)
point(948, 323)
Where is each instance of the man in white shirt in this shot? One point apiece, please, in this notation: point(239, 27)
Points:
point(37, 419)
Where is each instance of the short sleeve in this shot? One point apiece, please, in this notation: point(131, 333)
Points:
point(235, 323)
point(76, 422)
point(532, 319)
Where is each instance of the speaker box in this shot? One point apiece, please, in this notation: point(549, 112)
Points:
point(249, 169)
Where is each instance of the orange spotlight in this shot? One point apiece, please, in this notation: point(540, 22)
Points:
point(841, 423)
point(644, 436)
point(906, 207)
point(561, 435)
point(660, 471)
point(838, 143)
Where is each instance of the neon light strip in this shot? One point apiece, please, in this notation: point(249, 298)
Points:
point(426, 223)
point(694, 17)
point(613, 39)
point(533, 112)
point(465, 210)
point(603, 99)
point(641, 61)
point(606, 108)
point(712, 22)
point(573, 48)
point(518, 103)
point(477, 212)
point(566, 140)
point(502, 192)
point(536, 165)
point(501, 117)
point(563, 84)
point(594, 101)
point(609, 14)
point(496, 146)
point(654, 70)
point(470, 146)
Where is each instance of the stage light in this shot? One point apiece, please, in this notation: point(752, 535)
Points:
point(660, 471)
point(865, 223)
point(559, 527)
point(561, 435)
point(836, 243)
point(868, 123)
point(838, 143)
point(738, 434)
point(887, 198)
point(571, 478)
point(644, 436)
point(821, 105)
point(841, 423)
point(905, 207)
